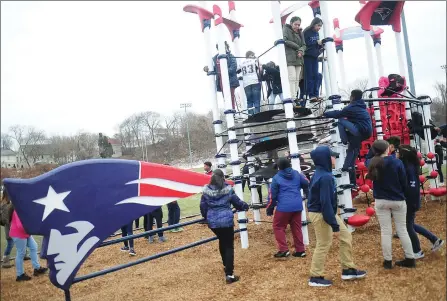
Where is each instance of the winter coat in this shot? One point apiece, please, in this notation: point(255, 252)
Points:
point(285, 190)
point(232, 71)
point(294, 43)
point(272, 77)
point(215, 206)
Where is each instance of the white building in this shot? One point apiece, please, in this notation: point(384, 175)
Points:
point(9, 158)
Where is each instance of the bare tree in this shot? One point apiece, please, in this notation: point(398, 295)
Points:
point(360, 84)
point(29, 140)
point(439, 105)
point(85, 146)
point(6, 141)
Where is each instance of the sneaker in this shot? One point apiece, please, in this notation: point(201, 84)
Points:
point(162, 239)
point(349, 274)
point(27, 257)
point(124, 249)
point(319, 281)
point(281, 254)
point(151, 239)
point(406, 263)
point(395, 235)
point(231, 279)
point(180, 229)
point(437, 245)
point(388, 264)
point(299, 254)
point(40, 271)
point(23, 277)
point(132, 252)
point(419, 255)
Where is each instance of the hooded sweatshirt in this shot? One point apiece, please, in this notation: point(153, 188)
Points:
point(285, 190)
point(356, 113)
point(215, 206)
point(322, 193)
point(311, 38)
point(412, 191)
point(393, 182)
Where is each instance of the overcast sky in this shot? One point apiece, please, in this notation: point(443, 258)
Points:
point(88, 65)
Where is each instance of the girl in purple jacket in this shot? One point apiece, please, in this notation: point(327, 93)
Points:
point(215, 206)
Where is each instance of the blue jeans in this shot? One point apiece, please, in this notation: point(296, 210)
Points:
point(173, 213)
point(9, 241)
point(311, 76)
point(21, 244)
point(125, 231)
point(253, 94)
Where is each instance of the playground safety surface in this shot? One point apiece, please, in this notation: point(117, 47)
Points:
point(196, 274)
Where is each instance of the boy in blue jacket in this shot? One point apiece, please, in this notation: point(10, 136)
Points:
point(322, 207)
point(285, 194)
point(355, 126)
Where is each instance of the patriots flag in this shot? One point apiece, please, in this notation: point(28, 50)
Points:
point(78, 205)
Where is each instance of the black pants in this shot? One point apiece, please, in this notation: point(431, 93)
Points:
point(439, 161)
point(157, 214)
point(226, 247)
point(259, 188)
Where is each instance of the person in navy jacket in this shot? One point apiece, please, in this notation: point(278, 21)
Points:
point(390, 184)
point(322, 207)
point(314, 47)
point(215, 207)
point(408, 155)
point(285, 195)
point(355, 126)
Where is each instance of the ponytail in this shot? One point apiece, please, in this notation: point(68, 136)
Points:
point(377, 163)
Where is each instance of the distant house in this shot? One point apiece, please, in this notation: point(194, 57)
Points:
point(117, 148)
point(36, 154)
point(9, 158)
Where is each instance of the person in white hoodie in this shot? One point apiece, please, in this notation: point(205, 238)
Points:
point(252, 85)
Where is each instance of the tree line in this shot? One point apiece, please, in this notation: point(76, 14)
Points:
point(145, 136)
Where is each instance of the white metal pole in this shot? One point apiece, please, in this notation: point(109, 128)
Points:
point(403, 72)
point(325, 66)
point(212, 89)
point(372, 79)
point(229, 114)
point(377, 46)
point(339, 50)
point(345, 198)
point(248, 145)
point(429, 144)
point(288, 103)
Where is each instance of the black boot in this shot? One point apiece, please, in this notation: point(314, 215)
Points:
point(407, 263)
point(388, 264)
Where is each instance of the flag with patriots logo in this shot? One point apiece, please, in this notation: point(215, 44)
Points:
point(78, 205)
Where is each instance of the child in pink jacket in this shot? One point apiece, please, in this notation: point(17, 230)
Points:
point(23, 240)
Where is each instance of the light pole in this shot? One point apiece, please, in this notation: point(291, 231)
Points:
point(187, 105)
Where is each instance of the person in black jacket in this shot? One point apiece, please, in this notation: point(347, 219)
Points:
point(408, 155)
point(272, 77)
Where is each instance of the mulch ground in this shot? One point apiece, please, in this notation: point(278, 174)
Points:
point(196, 274)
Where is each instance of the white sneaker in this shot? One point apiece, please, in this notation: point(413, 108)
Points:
point(419, 255)
point(437, 245)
